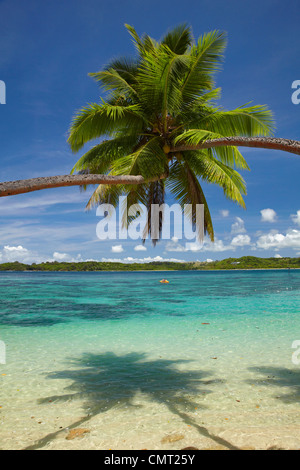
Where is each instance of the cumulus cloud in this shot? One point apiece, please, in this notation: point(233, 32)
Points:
point(241, 240)
point(224, 213)
point(268, 215)
point(218, 245)
point(194, 247)
point(15, 249)
point(140, 248)
point(60, 256)
point(174, 245)
point(65, 257)
point(238, 226)
point(148, 259)
point(117, 249)
point(296, 218)
point(278, 240)
point(13, 253)
point(10, 254)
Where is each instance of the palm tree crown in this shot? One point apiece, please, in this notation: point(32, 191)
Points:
point(159, 106)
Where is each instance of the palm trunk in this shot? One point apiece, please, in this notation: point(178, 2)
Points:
point(291, 146)
point(11, 188)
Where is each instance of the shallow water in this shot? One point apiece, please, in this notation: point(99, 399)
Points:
point(203, 361)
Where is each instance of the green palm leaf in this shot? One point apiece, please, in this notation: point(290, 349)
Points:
point(213, 171)
point(205, 59)
point(99, 120)
point(179, 39)
point(183, 183)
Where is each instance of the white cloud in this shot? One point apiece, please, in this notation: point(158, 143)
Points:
point(268, 215)
point(209, 260)
point(238, 226)
point(65, 257)
point(278, 240)
point(174, 245)
point(140, 248)
point(277, 255)
point(224, 213)
point(13, 249)
point(117, 249)
point(10, 254)
point(217, 246)
point(60, 256)
point(296, 218)
point(241, 240)
point(194, 247)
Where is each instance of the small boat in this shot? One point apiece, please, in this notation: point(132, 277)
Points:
point(164, 281)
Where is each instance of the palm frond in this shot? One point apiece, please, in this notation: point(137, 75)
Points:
point(205, 59)
point(159, 79)
point(112, 79)
point(213, 171)
point(96, 120)
point(179, 39)
point(229, 155)
point(135, 195)
point(99, 158)
point(184, 184)
point(243, 121)
point(105, 194)
point(137, 41)
point(143, 44)
point(148, 160)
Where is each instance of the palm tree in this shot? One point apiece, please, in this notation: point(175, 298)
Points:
point(158, 106)
point(160, 129)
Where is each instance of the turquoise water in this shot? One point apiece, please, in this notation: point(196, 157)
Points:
point(207, 356)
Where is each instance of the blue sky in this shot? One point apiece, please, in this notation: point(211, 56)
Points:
point(47, 50)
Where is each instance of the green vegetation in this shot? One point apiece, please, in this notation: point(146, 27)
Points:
point(246, 262)
point(158, 109)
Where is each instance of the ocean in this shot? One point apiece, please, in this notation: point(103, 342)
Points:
point(208, 360)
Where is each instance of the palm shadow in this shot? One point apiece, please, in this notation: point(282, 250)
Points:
point(289, 379)
point(106, 381)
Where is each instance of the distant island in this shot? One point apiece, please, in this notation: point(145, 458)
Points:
point(245, 262)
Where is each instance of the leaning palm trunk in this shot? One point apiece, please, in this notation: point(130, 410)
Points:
point(11, 188)
point(273, 143)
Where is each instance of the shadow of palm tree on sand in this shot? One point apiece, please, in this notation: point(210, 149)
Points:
point(288, 379)
point(105, 381)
